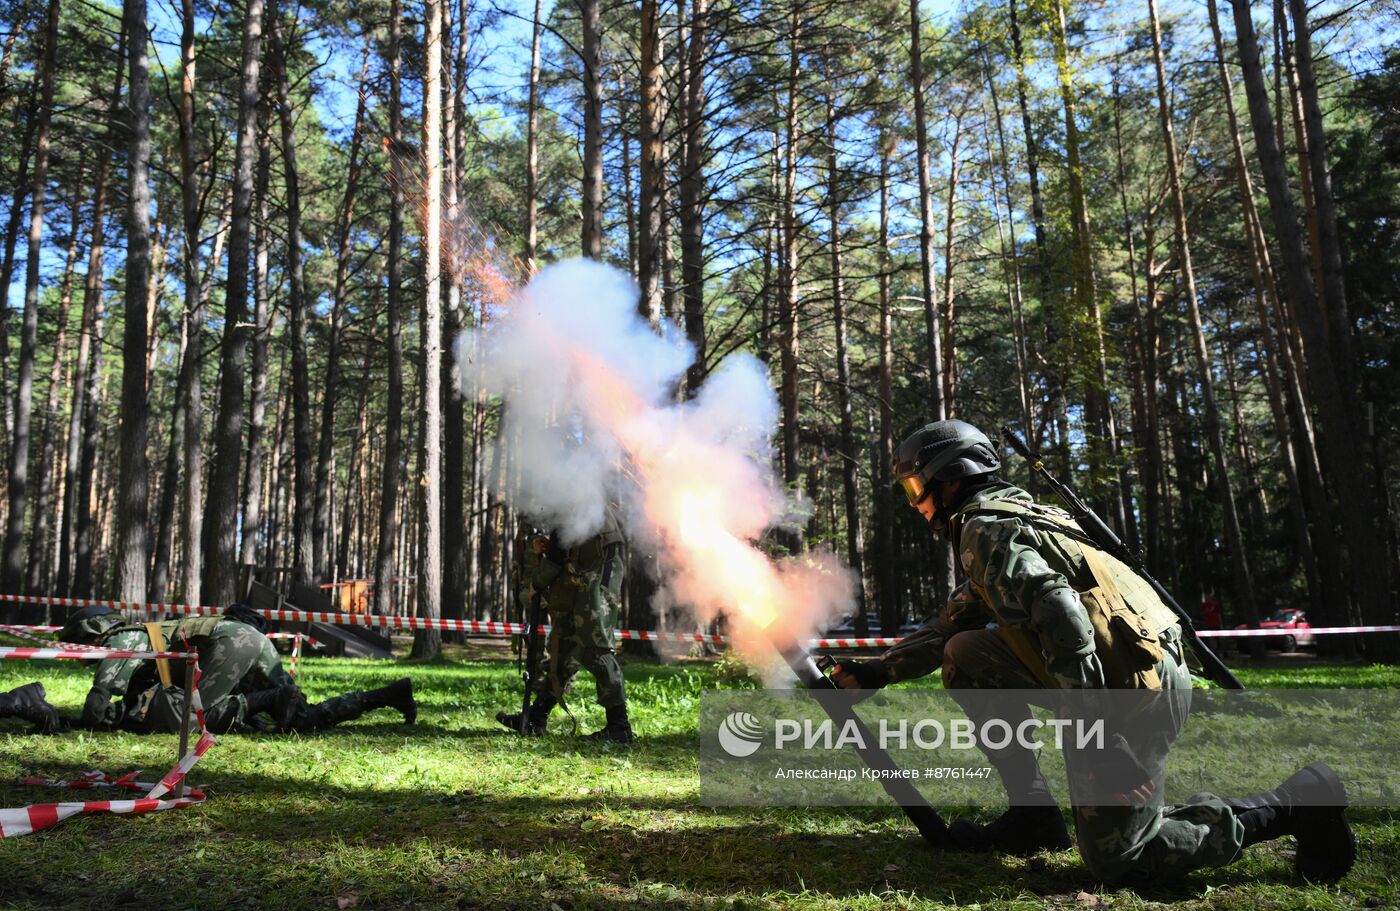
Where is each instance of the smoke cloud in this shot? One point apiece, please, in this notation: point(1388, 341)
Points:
point(592, 423)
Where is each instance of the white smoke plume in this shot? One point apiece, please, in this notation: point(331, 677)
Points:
point(591, 417)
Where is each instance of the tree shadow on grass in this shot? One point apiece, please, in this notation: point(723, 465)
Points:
point(626, 840)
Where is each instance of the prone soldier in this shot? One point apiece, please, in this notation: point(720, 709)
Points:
point(242, 677)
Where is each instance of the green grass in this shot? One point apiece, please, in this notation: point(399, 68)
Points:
point(455, 813)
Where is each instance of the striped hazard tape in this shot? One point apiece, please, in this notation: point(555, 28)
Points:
point(40, 816)
point(495, 628)
point(36, 817)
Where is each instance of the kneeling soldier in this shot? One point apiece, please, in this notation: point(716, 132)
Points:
point(1041, 609)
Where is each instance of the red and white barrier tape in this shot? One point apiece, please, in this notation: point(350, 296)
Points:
point(83, 653)
point(1296, 633)
point(493, 628)
point(35, 817)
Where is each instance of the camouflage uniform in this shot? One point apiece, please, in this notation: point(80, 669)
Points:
point(1012, 552)
point(583, 588)
point(234, 661)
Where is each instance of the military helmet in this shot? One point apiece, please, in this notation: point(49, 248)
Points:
point(942, 451)
point(89, 625)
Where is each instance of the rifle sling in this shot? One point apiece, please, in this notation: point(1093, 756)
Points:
point(158, 644)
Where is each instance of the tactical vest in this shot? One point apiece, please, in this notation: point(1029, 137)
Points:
point(1127, 616)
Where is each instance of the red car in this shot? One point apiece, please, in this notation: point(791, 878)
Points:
point(1295, 621)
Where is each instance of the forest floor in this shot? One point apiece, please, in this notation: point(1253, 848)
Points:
point(456, 813)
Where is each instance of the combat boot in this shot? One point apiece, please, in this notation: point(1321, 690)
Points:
point(279, 702)
point(1020, 830)
point(1310, 806)
point(1032, 823)
point(537, 724)
point(617, 730)
point(397, 695)
point(29, 703)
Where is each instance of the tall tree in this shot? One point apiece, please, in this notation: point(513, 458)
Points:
point(75, 507)
point(855, 543)
point(190, 392)
point(12, 569)
point(652, 165)
point(427, 643)
point(1337, 436)
point(221, 505)
point(532, 132)
point(1224, 484)
point(788, 340)
point(590, 58)
point(937, 405)
point(692, 201)
point(384, 561)
point(133, 486)
point(304, 557)
point(325, 452)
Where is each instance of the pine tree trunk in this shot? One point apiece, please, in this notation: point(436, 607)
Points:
point(132, 493)
point(652, 166)
point(948, 314)
point(221, 505)
point(37, 563)
point(1234, 537)
point(255, 468)
point(937, 406)
point(788, 306)
point(7, 273)
point(1011, 267)
point(428, 643)
point(692, 199)
point(1344, 460)
point(74, 505)
point(325, 452)
point(1330, 245)
point(885, 576)
point(855, 540)
point(454, 512)
point(12, 569)
point(304, 558)
point(384, 562)
point(1266, 290)
point(532, 142)
point(592, 241)
point(88, 488)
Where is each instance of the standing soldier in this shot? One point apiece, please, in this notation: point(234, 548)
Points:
point(1044, 608)
point(242, 676)
point(583, 587)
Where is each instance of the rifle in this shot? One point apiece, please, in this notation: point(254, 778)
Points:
point(1103, 537)
point(533, 645)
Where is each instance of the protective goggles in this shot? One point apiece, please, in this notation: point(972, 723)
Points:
point(914, 489)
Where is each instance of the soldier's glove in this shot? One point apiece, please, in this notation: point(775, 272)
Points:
point(861, 675)
point(1077, 672)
